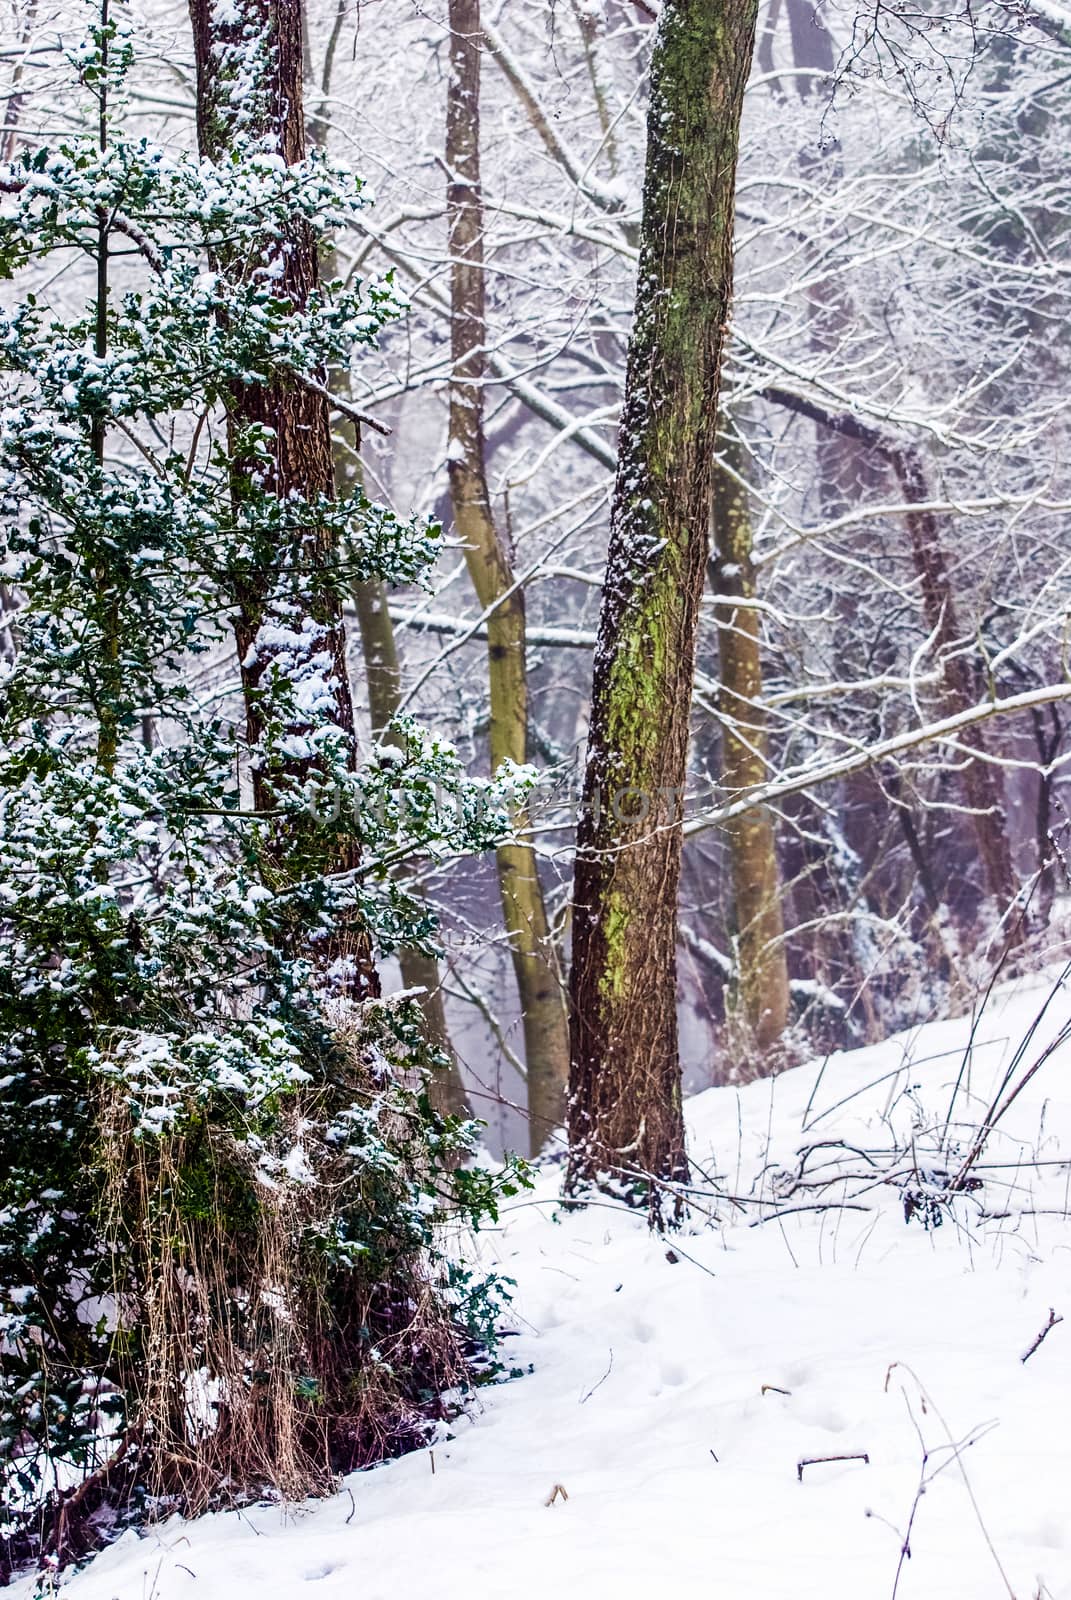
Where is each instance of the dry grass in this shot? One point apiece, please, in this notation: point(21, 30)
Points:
point(254, 1364)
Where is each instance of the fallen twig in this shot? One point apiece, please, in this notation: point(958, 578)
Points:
point(790, 1211)
point(815, 1461)
point(1043, 1335)
point(601, 1381)
point(558, 1489)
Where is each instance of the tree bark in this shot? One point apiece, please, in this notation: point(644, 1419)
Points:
point(760, 979)
point(542, 1001)
point(626, 1121)
point(265, 37)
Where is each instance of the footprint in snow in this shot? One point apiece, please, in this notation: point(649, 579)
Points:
point(823, 1416)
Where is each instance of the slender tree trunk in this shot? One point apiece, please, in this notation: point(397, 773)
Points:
point(626, 1118)
point(107, 725)
point(546, 1037)
point(261, 41)
point(419, 971)
point(591, 22)
point(761, 998)
point(1050, 858)
point(9, 139)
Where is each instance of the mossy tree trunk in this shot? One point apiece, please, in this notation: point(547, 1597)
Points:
point(760, 997)
point(261, 40)
point(489, 560)
point(626, 1120)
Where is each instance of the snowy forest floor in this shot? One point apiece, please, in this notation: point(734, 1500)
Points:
point(672, 1400)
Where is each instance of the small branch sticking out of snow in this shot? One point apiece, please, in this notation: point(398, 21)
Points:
point(814, 1461)
point(1043, 1335)
point(600, 1383)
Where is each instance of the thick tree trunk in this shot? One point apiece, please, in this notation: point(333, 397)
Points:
point(761, 997)
point(542, 1001)
point(262, 39)
point(626, 1121)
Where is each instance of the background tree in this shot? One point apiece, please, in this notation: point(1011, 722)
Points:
point(838, 605)
point(249, 90)
point(939, 233)
point(760, 967)
point(501, 598)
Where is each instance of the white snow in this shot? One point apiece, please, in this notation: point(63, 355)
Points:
point(647, 1404)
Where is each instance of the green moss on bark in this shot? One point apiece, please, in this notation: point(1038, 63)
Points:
point(625, 1113)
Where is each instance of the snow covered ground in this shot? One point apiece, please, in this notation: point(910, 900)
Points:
point(672, 1400)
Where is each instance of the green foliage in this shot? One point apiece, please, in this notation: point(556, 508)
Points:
point(201, 1139)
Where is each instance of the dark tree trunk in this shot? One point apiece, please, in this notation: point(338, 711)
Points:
point(963, 682)
point(271, 107)
point(812, 45)
point(626, 1119)
point(1050, 857)
point(848, 451)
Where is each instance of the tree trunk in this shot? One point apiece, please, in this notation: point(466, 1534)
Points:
point(263, 39)
point(761, 998)
point(383, 676)
point(591, 22)
point(1050, 857)
point(419, 971)
point(626, 1119)
point(546, 1037)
